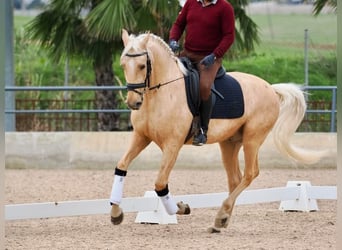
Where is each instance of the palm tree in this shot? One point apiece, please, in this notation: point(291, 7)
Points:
point(61, 29)
point(107, 20)
point(247, 31)
point(319, 5)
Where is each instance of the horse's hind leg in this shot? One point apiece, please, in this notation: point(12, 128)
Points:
point(251, 171)
point(229, 153)
point(138, 143)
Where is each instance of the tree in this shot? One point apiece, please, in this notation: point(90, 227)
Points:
point(107, 20)
point(247, 31)
point(61, 29)
point(319, 5)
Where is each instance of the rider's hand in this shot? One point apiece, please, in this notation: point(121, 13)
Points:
point(174, 45)
point(208, 60)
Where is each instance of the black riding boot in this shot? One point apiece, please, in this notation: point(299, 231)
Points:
point(205, 113)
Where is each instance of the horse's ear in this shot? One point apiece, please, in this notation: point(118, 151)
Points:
point(125, 37)
point(144, 41)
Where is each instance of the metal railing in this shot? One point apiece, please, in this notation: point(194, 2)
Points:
point(332, 111)
point(65, 88)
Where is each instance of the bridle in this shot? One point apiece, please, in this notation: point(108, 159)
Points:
point(146, 84)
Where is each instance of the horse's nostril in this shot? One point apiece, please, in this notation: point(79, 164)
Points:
point(134, 105)
point(137, 105)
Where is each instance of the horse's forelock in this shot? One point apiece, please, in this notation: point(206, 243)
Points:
point(134, 44)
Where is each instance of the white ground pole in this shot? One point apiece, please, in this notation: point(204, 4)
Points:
point(296, 196)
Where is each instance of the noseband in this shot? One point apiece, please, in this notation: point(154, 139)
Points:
point(146, 83)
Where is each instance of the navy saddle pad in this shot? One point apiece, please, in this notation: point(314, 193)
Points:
point(232, 103)
point(232, 106)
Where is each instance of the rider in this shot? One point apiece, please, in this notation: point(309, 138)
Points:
point(210, 31)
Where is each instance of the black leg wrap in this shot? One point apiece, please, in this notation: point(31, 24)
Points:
point(120, 172)
point(163, 192)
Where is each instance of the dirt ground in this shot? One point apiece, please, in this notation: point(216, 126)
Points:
point(258, 226)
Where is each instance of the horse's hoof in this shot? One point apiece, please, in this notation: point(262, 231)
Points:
point(116, 215)
point(183, 208)
point(213, 230)
point(221, 222)
point(187, 209)
point(117, 220)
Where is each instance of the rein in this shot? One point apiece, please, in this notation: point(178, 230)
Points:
point(146, 83)
point(165, 83)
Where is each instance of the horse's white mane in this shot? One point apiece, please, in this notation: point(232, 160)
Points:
point(136, 45)
point(162, 43)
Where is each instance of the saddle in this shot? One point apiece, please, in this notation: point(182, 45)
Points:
point(227, 97)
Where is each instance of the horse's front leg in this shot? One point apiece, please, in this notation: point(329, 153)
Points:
point(161, 184)
point(138, 143)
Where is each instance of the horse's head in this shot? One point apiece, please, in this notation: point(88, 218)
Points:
point(136, 64)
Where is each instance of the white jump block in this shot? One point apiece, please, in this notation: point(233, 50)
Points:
point(158, 216)
point(304, 202)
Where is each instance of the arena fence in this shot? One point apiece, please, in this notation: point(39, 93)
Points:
point(296, 196)
point(80, 115)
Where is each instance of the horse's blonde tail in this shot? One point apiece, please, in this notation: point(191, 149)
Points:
point(291, 113)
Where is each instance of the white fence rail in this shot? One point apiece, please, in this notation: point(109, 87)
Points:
point(297, 195)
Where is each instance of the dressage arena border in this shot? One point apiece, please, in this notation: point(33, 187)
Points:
point(89, 149)
point(296, 196)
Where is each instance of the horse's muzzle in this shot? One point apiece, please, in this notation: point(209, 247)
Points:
point(134, 100)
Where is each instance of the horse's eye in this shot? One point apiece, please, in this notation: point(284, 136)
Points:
point(142, 66)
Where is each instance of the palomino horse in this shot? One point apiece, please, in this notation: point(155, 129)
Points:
point(157, 97)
